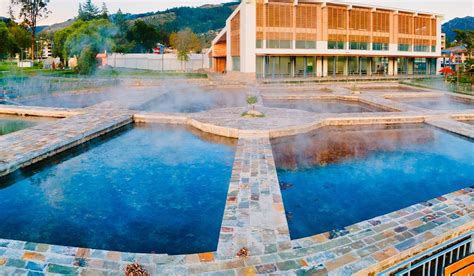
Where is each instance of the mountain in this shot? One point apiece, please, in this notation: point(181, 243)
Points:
point(202, 20)
point(465, 23)
point(55, 27)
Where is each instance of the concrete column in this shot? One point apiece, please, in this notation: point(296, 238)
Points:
point(395, 66)
point(319, 66)
point(390, 71)
point(228, 64)
point(369, 66)
point(346, 65)
point(248, 36)
point(411, 65)
point(324, 61)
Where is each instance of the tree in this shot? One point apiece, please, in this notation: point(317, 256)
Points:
point(143, 35)
point(6, 38)
point(60, 37)
point(88, 11)
point(104, 11)
point(185, 42)
point(465, 38)
point(87, 62)
point(119, 20)
point(30, 12)
point(21, 38)
point(97, 34)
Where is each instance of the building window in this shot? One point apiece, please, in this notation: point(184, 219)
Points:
point(336, 45)
point(279, 44)
point(235, 63)
point(420, 66)
point(380, 46)
point(303, 44)
point(259, 44)
point(358, 45)
point(433, 49)
point(404, 47)
point(421, 48)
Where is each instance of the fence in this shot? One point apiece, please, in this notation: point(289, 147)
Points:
point(14, 87)
point(166, 62)
point(435, 261)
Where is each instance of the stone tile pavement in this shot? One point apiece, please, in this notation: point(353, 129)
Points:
point(254, 216)
point(22, 148)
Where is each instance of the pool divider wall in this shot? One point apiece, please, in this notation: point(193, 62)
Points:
point(37, 143)
point(38, 111)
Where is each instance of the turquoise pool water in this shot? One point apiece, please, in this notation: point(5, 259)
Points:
point(338, 176)
point(147, 188)
point(9, 124)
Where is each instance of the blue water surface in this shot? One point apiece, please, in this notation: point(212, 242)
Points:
point(146, 188)
point(338, 176)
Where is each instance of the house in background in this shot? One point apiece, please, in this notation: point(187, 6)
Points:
point(454, 56)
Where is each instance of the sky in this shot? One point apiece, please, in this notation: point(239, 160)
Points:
point(66, 9)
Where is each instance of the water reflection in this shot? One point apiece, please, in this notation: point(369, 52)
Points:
point(443, 103)
point(336, 144)
point(323, 106)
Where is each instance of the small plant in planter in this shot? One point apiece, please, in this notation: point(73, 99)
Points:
point(355, 89)
point(252, 101)
point(252, 113)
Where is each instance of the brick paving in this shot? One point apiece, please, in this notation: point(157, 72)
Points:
point(254, 214)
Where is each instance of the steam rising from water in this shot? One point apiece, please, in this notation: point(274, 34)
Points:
point(323, 106)
point(440, 103)
point(168, 95)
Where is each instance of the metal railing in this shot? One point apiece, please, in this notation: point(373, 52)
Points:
point(434, 261)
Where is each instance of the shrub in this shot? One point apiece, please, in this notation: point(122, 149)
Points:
point(87, 62)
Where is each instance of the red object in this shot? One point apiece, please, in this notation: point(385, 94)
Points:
point(156, 50)
point(446, 70)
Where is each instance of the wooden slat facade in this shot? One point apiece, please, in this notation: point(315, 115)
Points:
point(235, 35)
point(283, 20)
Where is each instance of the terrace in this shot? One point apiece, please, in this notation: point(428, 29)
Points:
point(249, 183)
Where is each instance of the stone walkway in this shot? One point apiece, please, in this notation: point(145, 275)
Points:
point(41, 141)
point(254, 215)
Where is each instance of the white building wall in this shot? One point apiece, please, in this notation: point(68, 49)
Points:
point(248, 39)
point(167, 62)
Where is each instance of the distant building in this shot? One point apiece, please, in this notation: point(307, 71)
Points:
point(304, 38)
point(454, 56)
point(46, 48)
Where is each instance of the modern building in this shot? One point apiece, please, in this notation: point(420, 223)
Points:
point(47, 49)
point(303, 38)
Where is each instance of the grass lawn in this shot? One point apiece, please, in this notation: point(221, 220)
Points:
point(11, 70)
